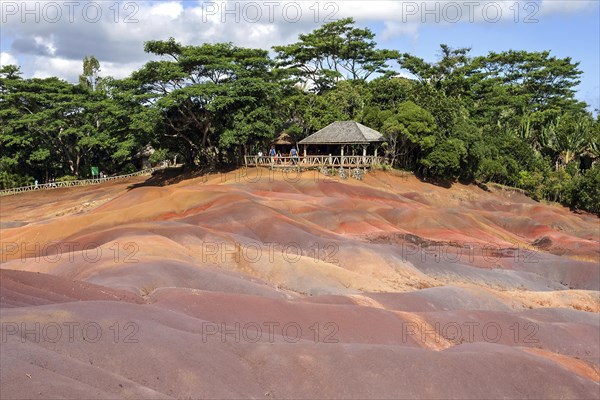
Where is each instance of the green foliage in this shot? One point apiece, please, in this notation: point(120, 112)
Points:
point(158, 156)
point(211, 99)
point(90, 78)
point(333, 52)
point(128, 168)
point(409, 132)
point(10, 180)
point(67, 178)
point(508, 117)
point(51, 127)
point(446, 159)
point(585, 191)
point(533, 183)
point(558, 186)
point(388, 92)
point(493, 170)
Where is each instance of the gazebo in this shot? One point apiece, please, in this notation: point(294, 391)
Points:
point(340, 134)
point(284, 141)
point(327, 148)
point(144, 156)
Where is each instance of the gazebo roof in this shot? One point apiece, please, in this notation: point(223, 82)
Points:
point(283, 139)
point(344, 132)
point(145, 151)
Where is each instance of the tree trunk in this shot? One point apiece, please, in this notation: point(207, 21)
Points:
point(77, 165)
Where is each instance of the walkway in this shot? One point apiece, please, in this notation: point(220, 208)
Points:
point(83, 182)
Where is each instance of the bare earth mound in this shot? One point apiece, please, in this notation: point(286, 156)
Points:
point(257, 284)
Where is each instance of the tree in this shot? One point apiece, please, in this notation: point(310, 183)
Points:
point(54, 127)
point(508, 117)
point(207, 91)
point(448, 75)
point(37, 113)
point(568, 137)
point(525, 82)
point(386, 93)
point(90, 78)
point(584, 193)
point(446, 159)
point(333, 52)
point(410, 132)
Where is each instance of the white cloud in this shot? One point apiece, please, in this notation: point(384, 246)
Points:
point(45, 67)
point(548, 7)
point(118, 70)
point(45, 43)
point(170, 9)
point(392, 30)
point(117, 38)
point(7, 59)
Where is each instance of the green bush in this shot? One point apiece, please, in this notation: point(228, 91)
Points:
point(446, 159)
point(533, 183)
point(158, 156)
point(557, 186)
point(8, 180)
point(128, 168)
point(491, 170)
point(67, 178)
point(584, 193)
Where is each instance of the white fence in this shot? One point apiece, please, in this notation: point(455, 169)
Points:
point(314, 161)
point(83, 182)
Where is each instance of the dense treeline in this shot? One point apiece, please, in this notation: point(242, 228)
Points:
point(508, 117)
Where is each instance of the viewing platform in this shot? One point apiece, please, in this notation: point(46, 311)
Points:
point(338, 145)
point(312, 162)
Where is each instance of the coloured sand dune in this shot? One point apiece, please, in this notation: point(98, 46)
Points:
point(266, 285)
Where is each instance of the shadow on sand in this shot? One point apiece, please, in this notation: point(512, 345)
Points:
point(442, 182)
point(174, 175)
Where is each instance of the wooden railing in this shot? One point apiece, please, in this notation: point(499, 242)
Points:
point(83, 182)
point(313, 161)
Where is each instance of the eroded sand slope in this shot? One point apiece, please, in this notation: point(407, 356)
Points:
point(281, 286)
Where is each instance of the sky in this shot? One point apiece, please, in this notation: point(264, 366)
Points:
point(50, 38)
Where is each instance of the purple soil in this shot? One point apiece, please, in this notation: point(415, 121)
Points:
point(222, 287)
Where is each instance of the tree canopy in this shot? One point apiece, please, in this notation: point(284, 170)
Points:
point(509, 117)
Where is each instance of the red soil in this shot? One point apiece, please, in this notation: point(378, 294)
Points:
point(261, 285)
